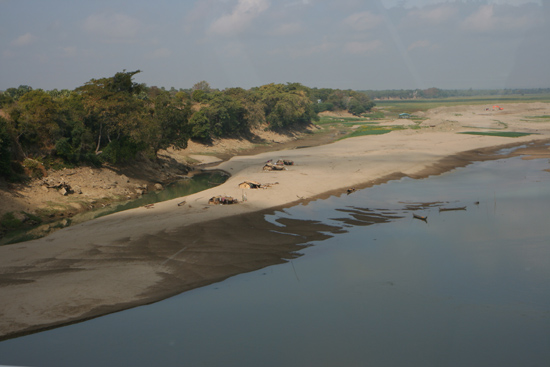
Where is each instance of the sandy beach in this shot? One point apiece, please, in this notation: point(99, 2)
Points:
point(144, 255)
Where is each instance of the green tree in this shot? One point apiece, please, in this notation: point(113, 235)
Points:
point(202, 85)
point(224, 116)
point(254, 108)
point(283, 107)
point(6, 156)
point(76, 143)
point(5, 99)
point(17, 93)
point(115, 114)
point(35, 118)
point(200, 126)
point(169, 126)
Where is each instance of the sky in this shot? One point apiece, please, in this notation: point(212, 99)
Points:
point(344, 44)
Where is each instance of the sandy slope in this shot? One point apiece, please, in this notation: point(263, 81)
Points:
point(143, 255)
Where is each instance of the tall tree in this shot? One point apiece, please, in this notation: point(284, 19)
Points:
point(112, 108)
point(36, 121)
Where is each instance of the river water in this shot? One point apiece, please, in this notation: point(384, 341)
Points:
point(468, 287)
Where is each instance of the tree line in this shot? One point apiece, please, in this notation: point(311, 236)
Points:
point(114, 119)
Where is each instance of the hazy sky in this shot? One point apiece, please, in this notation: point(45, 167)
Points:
point(347, 44)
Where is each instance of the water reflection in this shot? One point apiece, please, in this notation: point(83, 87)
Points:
point(374, 286)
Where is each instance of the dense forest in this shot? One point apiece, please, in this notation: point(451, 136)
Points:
point(115, 120)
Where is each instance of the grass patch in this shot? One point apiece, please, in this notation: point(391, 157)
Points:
point(541, 118)
point(336, 120)
point(505, 134)
point(351, 124)
point(367, 132)
point(371, 130)
point(483, 127)
point(418, 119)
point(21, 238)
point(375, 115)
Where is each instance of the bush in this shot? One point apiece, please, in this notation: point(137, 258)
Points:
point(34, 168)
point(9, 222)
point(123, 150)
point(63, 149)
point(5, 150)
point(321, 107)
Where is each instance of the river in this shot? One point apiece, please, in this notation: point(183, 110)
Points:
point(469, 286)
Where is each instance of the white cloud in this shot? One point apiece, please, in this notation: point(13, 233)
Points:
point(287, 29)
point(422, 3)
point(487, 19)
point(420, 44)
point(24, 40)
point(516, 2)
point(113, 27)
point(299, 52)
point(435, 15)
point(297, 3)
point(363, 21)
point(240, 18)
point(355, 47)
point(160, 53)
point(8, 54)
point(68, 51)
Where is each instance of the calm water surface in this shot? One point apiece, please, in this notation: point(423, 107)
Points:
point(466, 288)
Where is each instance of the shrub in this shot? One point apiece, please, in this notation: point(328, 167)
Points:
point(34, 168)
point(9, 222)
point(119, 151)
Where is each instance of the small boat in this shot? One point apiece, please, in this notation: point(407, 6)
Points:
point(421, 217)
point(451, 209)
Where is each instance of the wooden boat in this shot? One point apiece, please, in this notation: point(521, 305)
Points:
point(421, 217)
point(451, 209)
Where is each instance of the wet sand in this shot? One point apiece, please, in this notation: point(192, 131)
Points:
point(144, 255)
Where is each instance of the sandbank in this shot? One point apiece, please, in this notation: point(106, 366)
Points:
point(144, 255)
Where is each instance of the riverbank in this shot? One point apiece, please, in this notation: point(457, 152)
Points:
point(47, 203)
point(147, 254)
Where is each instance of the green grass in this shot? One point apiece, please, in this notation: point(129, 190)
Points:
point(371, 130)
point(541, 118)
point(335, 120)
point(377, 115)
point(367, 132)
point(349, 124)
point(505, 134)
